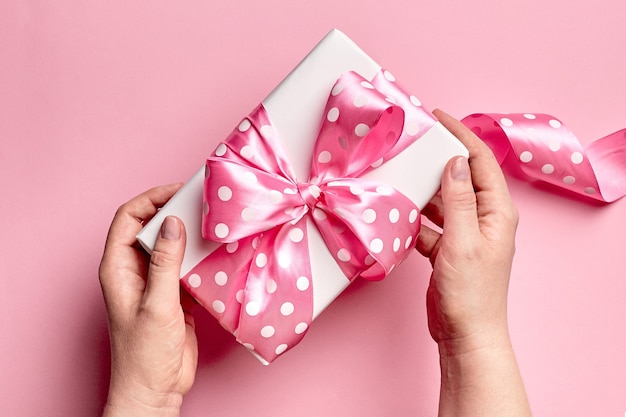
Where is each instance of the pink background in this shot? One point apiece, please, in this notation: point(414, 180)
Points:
point(101, 100)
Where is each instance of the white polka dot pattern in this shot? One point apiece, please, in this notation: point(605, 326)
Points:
point(258, 283)
point(548, 151)
point(194, 280)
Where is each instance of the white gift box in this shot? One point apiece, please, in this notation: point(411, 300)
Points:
point(296, 107)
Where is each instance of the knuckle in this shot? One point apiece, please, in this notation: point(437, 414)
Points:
point(504, 212)
point(162, 260)
point(105, 274)
point(122, 210)
point(466, 251)
point(148, 311)
point(157, 313)
point(472, 251)
point(510, 214)
point(465, 200)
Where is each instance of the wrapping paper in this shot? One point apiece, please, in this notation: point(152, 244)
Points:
point(409, 168)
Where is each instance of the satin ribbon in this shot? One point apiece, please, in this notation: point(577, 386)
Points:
point(258, 283)
point(546, 150)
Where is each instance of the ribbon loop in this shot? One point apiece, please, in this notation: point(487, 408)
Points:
point(242, 201)
point(372, 224)
point(361, 127)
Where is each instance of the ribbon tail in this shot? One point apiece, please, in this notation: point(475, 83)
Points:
point(608, 158)
point(545, 150)
point(218, 282)
point(278, 300)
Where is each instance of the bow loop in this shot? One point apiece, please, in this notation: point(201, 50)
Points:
point(382, 220)
point(241, 201)
point(360, 127)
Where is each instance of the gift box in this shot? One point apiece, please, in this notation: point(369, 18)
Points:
point(319, 185)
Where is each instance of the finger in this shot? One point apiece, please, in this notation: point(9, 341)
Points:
point(489, 183)
point(163, 283)
point(459, 201)
point(427, 240)
point(495, 206)
point(131, 216)
point(122, 266)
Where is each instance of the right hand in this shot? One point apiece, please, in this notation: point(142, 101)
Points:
point(472, 257)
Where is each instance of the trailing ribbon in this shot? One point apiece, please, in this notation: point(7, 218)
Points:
point(546, 150)
point(258, 282)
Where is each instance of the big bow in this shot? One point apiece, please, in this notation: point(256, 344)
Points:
point(258, 283)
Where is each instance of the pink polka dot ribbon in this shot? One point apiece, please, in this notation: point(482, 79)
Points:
point(258, 283)
point(546, 150)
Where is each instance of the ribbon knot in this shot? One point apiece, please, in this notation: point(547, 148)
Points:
point(310, 193)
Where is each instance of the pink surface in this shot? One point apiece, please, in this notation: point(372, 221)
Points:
point(101, 100)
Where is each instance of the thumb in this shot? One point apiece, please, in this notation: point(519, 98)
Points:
point(459, 201)
point(163, 284)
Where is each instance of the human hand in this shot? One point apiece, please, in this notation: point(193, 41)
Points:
point(153, 342)
point(472, 257)
point(467, 295)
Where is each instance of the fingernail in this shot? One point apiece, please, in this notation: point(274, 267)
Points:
point(170, 229)
point(460, 169)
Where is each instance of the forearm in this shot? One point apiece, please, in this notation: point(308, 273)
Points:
point(481, 382)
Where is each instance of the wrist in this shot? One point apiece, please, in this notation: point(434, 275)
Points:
point(468, 359)
point(141, 401)
point(484, 338)
point(480, 377)
point(469, 362)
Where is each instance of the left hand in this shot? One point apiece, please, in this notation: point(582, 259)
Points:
point(154, 350)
